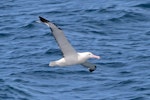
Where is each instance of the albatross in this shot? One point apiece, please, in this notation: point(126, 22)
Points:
point(70, 55)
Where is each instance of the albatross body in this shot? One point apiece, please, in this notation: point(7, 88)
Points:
point(70, 55)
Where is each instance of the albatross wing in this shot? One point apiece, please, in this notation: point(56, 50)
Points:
point(66, 48)
point(89, 65)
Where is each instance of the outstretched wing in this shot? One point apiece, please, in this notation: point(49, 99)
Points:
point(62, 41)
point(90, 66)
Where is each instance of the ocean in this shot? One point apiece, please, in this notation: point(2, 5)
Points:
point(116, 30)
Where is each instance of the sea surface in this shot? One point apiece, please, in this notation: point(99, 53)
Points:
point(116, 30)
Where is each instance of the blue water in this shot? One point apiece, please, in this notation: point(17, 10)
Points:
point(116, 30)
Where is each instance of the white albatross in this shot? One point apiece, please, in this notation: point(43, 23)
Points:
point(71, 56)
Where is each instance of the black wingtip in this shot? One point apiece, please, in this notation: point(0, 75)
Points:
point(92, 69)
point(43, 20)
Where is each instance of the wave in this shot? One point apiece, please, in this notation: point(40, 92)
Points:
point(145, 5)
point(8, 91)
point(114, 64)
point(2, 35)
point(29, 25)
point(129, 17)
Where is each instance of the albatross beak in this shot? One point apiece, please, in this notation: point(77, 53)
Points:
point(94, 56)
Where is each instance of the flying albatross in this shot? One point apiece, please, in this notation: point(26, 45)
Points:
point(70, 55)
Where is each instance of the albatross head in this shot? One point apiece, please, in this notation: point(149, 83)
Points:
point(87, 55)
point(91, 55)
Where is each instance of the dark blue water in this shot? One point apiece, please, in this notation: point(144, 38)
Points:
point(117, 30)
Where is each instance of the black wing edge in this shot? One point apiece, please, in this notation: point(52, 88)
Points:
point(46, 21)
point(43, 20)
